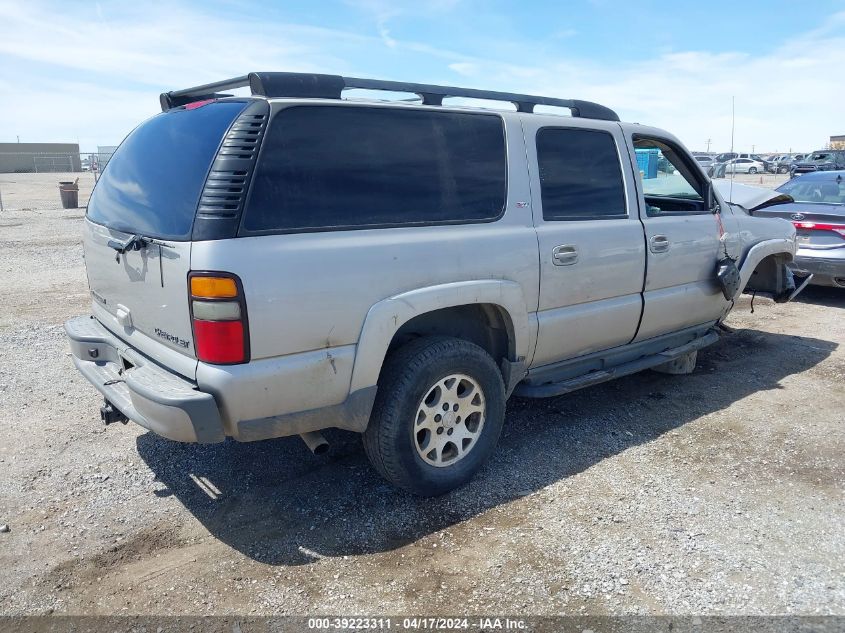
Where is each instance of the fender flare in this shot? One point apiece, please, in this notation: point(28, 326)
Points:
point(385, 318)
point(759, 252)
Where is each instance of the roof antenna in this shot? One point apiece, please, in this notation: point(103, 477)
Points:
point(733, 126)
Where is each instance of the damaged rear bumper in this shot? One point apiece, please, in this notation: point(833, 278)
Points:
point(143, 391)
point(826, 271)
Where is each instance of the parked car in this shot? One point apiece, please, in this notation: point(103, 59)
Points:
point(743, 166)
point(722, 160)
point(778, 164)
point(818, 213)
point(705, 161)
point(821, 160)
point(309, 262)
point(716, 170)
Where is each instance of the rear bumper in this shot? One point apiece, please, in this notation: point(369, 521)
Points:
point(825, 270)
point(143, 391)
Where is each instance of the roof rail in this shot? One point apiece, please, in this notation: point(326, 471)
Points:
point(308, 85)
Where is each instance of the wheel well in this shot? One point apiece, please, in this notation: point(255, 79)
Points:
point(487, 325)
point(770, 275)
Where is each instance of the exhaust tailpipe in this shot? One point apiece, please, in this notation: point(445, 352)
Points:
point(315, 442)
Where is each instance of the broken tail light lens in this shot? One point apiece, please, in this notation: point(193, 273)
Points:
point(218, 318)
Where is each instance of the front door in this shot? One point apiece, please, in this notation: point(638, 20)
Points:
point(682, 238)
point(592, 252)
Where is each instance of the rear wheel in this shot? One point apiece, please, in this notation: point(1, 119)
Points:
point(437, 416)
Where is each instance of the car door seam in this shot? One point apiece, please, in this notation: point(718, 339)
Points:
point(645, 235)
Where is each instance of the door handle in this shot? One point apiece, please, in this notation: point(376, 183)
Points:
point(658, 244)
point(565, 255)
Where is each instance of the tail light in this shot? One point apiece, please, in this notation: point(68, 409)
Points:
point(218, 317)
point(816, 226)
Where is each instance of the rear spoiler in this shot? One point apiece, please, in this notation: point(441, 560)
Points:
point(316, 86)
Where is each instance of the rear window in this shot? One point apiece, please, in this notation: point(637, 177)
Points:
point(362, 167)
point(815, 190)
point(152, 184)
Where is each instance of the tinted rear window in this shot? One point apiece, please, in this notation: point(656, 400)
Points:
point(580, 175)
point(815, 190)
point(356, 167)
point(152, 184)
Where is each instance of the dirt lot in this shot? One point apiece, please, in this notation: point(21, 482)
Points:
point(715, 493)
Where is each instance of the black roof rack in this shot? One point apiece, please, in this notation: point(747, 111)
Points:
point(310, 85)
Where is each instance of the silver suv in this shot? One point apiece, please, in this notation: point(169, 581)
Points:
point(291, 261)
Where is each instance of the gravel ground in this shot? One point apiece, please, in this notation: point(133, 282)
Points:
point(715, 493)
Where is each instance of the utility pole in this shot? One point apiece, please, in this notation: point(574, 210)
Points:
point(708, 145)
point(19, 138)
point(752, 148)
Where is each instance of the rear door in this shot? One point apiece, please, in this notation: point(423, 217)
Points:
point(592, 253)
point(682, 238)
point(144, 205)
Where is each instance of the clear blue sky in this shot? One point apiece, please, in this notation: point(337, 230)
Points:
point(91, 71)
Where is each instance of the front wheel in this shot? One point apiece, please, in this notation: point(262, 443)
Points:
point(437, 417)
point(752, 170)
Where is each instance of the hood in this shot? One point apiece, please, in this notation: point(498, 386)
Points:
point(749, 197)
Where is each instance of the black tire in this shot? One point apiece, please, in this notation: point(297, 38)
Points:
point(407, 377)
point(752, 170)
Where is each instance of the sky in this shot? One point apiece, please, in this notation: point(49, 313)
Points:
point(89, 72)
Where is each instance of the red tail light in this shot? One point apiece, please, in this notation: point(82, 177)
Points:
point(218, 316)
point(816, 226)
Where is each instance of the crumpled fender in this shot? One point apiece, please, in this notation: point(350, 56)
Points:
point(779, 246)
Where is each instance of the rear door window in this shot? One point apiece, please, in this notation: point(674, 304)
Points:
point(580, 175)
point(152, 184)
point(330, 167)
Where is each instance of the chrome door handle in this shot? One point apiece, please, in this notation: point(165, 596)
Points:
point(565, 255)
point(658, 244)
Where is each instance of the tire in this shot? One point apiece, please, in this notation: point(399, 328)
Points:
point(413, 385)
point(752, 170)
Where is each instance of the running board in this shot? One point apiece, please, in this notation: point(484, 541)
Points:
point(599, 376)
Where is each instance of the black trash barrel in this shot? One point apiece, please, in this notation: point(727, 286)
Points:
point(69, 191)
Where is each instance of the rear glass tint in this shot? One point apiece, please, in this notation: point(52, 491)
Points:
point(354, 167)
point(152, 184)
point(815, 190)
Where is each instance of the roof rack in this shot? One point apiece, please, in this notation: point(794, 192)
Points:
point(308, 85)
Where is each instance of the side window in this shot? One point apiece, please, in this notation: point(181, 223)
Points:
point(365, 167)
point(676, 187)
point(580, 175)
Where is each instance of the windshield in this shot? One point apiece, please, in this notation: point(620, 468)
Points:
point(152, 184)
point(817, 191)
